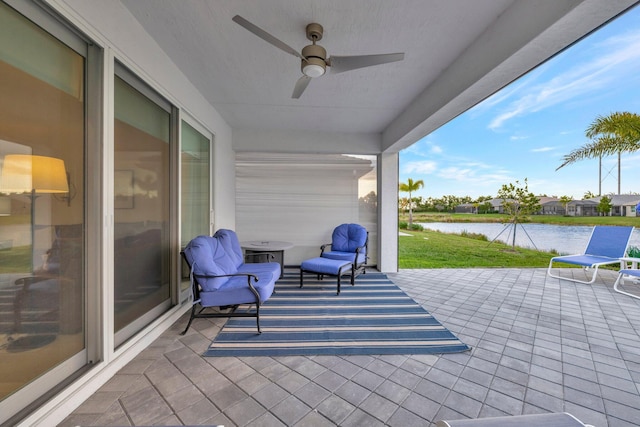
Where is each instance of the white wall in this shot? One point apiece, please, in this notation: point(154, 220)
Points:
point(112, 26)
point(294, 141)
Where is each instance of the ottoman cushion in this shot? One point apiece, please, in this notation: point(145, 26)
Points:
point(325, 266)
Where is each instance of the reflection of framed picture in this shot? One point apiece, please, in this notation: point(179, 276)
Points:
point(123, 189)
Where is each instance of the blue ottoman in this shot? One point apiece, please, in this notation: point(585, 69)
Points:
point(328, 267)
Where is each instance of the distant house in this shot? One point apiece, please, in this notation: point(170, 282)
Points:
point(622, 204)
point(550, 206)
point(496, 207)
point(469, 208)
point(587, 207)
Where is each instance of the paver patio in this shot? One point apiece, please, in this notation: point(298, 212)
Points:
point(538, 345)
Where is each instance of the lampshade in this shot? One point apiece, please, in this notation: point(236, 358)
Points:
point(22, 173)
point(5, 206)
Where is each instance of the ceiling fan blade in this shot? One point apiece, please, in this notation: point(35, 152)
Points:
point(340, 64)
point(301, 85)
point(266, 36)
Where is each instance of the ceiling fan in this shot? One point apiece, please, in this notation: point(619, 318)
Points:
point(314, 61)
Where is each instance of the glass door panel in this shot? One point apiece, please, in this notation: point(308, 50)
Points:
point(142, 210)
point(42, 204)
point(195, 158)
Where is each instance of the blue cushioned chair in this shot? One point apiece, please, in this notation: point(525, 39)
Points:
point(348, 243)
point(220, 278)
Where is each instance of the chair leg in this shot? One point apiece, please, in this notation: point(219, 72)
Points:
point(617, 284)
point(586, 282)
point(258, 317)
point(301, 274)
point(193, 312)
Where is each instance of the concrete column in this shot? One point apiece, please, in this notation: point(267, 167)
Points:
point(388, 212)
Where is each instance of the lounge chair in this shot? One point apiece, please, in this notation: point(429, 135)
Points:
point(607, 245)
point(635, 273)
point(558, 419)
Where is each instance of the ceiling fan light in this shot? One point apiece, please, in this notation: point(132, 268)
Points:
point(313, 70)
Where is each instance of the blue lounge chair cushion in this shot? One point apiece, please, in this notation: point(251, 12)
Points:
point(326, 266)
point(208, 257)
point(229, 241)
point(630, 272)
point(345, 241)
point(235, 291)
point(585, 260)
point(218, 255)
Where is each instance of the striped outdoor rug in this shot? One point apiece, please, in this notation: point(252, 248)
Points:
point(372, 317)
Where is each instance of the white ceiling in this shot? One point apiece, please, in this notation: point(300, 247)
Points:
point(457, 52)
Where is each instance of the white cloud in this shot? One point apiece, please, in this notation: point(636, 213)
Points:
point(618, 60)
point(542, 149)
point(476, 175)
point(517, 138)
point(425, 167)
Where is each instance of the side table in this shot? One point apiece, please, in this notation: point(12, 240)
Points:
point(261, 246)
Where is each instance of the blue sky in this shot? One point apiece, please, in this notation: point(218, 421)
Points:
point(524, 130)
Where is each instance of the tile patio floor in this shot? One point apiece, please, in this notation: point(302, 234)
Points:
point(538, 345)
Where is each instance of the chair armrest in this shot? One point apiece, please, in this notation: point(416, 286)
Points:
point(366, 257)
point(248, 275)
point(214, 276)
point(25, 282)
point(323, 247)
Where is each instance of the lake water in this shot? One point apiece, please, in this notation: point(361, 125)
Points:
point(566, 239)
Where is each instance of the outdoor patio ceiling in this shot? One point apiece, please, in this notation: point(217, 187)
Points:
point(457, 52)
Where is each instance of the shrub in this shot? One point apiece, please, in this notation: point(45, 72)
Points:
point(402, 225)
point(476, 236)
point(633, 252)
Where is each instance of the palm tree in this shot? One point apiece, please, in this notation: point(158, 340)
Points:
point(409, 187)
point(613, 134)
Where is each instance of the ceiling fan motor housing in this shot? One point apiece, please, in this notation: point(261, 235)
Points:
point(314, 65)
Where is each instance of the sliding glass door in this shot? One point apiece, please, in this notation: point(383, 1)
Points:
point(42, 209)
point(141, 205)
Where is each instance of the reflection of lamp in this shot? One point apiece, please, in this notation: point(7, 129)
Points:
point(24, 173)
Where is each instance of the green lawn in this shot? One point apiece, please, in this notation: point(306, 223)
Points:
point(15, 260)
point(542, 219)
point(433, 249)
